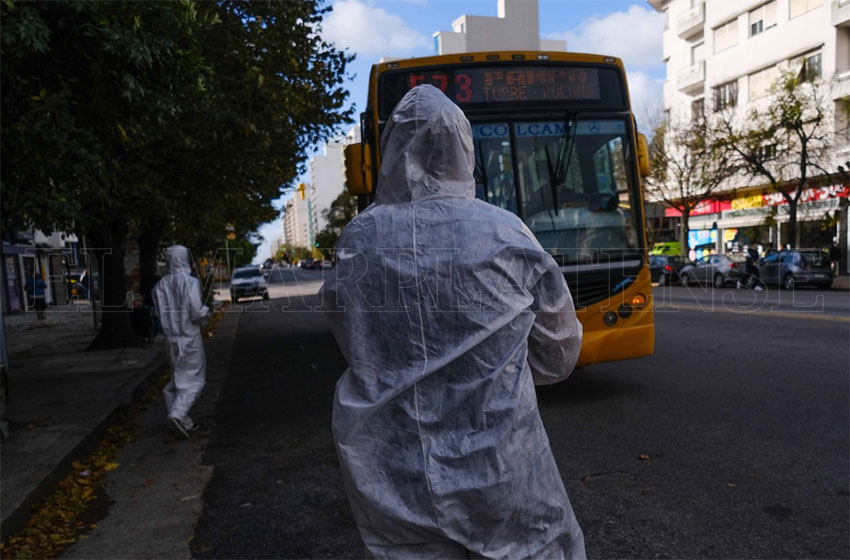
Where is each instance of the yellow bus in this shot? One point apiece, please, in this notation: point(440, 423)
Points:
point(555, 143)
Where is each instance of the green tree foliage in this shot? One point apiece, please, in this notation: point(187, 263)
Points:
point(292, 254)
point(341, 211)
point(159, 119)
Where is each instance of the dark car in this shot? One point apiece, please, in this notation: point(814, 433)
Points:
point(717, 270)
point(664, 269)
point(792, 268)
point(77, 285)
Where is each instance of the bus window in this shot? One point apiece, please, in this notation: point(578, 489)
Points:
point(586, 216)
point(494, 173)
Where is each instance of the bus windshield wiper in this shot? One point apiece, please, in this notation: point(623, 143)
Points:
point(558, 172)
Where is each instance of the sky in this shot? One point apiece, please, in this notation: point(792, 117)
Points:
point(371, 29)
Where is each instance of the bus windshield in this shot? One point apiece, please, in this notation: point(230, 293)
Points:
point(566, 179)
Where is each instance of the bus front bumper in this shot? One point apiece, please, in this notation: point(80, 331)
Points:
point(616, 344)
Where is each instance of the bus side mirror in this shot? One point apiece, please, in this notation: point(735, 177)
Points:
point(643, 155)
point(358, 169)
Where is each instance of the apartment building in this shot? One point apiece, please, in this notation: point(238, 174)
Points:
point(299, 219)
point(727, 53)
point(516, 27)
point(327, 174)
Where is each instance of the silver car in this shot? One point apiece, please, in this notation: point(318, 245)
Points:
point(792, 268)
point(248, 281)
point(718, 270)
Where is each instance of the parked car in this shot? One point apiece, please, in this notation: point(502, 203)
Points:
point(792, 268)
point(327, 263)
point(673, 248)
point(248, 281)
point(719, 270)
point(77, 285)
point(665, 269)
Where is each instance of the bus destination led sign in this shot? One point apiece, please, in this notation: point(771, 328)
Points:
point(506, 84)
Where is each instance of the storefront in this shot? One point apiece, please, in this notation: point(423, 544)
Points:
point(761, 221)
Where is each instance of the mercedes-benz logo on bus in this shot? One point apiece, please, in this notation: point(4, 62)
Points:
point(594, 127)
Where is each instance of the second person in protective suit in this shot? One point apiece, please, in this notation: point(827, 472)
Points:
point(448, 311)
point(177, 299)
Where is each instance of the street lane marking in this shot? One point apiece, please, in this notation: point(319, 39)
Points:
point(721, 309)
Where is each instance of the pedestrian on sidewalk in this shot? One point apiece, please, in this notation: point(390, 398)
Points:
point(177, 298)
point(37, 286)
point(448, 311)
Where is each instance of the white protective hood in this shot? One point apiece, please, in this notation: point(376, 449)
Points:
point(448, 310)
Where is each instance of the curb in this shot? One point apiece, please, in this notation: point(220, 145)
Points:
point(13, 521)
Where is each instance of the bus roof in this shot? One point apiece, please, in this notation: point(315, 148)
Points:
point(496, 56)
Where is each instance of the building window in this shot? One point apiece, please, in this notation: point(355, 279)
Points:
point(763, 17)
point(842, 121)
point(759, 83)
point(698, 109)
point(726, 36)
point(800, 7)
point(725, 95)
point(810, 67)
point(766, 152)
point(697, 53)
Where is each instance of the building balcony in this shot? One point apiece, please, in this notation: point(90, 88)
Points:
point(691, 22)
point(691, 78)
point(840, 12)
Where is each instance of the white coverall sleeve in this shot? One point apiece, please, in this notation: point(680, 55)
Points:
point(554, 342)
point(198, 312)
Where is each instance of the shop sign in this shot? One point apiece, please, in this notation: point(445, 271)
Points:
point(810, 195)
point(702, 208)
point(746, 202)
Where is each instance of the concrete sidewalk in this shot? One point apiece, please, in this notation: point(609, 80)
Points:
point(61, 400)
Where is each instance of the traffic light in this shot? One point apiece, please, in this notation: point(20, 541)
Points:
point(301, 187)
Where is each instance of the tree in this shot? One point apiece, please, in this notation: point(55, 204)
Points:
point(292, 254)
point(159, 120)
point(86, 88)
point(784, 141)
point(341, 211)
point(689, 165)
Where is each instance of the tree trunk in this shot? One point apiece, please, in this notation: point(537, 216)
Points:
point(683, 234)
point(148, 248)
point(792, 224)
point(108, 240)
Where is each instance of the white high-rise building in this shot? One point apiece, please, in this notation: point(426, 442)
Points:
point(298, 223)
point(722, 53)
point(327, 174)
point(515, 28)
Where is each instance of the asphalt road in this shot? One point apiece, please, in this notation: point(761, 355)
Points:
point(731, 441)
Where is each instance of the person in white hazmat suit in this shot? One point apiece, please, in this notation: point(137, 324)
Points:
point(448, 311)
point(177, 299)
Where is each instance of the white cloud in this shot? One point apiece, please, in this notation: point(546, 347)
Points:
point(647, 97)
point(633, 35)
point(365, 28)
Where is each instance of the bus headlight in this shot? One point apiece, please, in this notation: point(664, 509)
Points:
point(625, 311)
point(610, 318)
point(638, 300)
